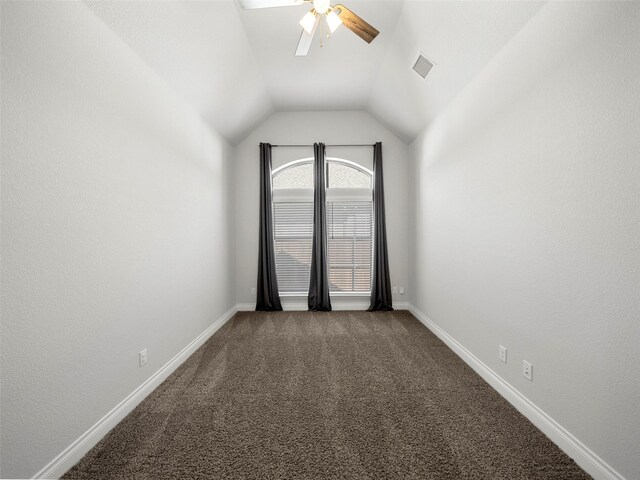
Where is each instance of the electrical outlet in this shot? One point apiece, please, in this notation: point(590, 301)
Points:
point(253, 291)
point(527, 370)
point(394, 290)
point(143, 357)
point(502, 353)
point(401, 290)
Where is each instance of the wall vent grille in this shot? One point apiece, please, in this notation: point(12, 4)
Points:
point(423, 66)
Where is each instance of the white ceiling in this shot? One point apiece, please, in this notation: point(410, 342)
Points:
point(338, 75)
point(238, 66)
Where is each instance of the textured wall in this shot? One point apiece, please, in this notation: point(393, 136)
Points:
point(527, 220)
point(115, 227)
point(330, 128)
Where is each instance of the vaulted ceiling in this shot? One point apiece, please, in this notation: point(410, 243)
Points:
point(236, 66)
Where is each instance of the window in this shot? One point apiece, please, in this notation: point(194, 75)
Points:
point(349, 226)
point(293, 231)
point(340, 175)
point(295, 176)
point(350, 246)
point(293, 225)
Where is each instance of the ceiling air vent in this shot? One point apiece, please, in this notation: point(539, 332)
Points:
point(423, 66)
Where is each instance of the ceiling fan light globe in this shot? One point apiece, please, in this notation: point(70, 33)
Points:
point(308, 21)
point(333, 20)
point(321, 6)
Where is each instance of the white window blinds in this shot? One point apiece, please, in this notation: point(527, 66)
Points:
point(293, 230)
point(350, 246)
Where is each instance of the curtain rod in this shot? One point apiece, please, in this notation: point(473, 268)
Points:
point(300, 146)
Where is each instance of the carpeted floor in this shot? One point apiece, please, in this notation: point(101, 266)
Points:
point(325, 395)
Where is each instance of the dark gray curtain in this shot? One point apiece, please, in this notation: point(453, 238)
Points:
point(267, 297)
point(380, 285)
point(319, 300)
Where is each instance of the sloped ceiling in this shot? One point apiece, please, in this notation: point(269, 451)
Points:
point(236, 66)
point(337, 76)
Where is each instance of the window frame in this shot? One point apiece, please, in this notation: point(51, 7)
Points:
point(338, 194)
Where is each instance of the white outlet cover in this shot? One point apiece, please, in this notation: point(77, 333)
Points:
point(502, 353)
point(394, 290)
point(143, 357)
point(401, 290)
point(527, 370)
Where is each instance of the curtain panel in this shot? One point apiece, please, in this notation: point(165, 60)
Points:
point(267, 296)
point(318, 299)
point(380, 283)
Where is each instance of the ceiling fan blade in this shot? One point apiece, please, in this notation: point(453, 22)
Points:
point(304, 44)
point(253, 4)
point(357, 25)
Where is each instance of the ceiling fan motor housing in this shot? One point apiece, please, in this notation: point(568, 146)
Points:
point(321, 6)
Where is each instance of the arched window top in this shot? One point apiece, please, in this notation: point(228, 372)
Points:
point(345, 174)
point(297, 174)
point(340, 173)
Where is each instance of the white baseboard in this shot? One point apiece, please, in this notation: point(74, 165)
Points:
point(578, 451)
point(246, 307)
point(294, 305)
point(336, 304)
point(74, 452)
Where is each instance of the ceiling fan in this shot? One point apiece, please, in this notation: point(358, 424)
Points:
point(335, 16)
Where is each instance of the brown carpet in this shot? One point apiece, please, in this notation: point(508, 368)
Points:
point(325, 395)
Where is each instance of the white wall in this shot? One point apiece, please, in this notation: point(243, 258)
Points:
point(527, 220)
point(347, 127)
point(115, 227)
